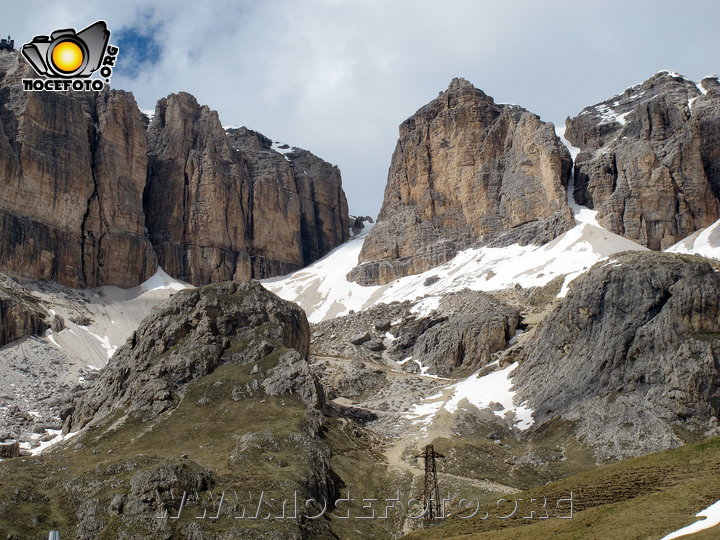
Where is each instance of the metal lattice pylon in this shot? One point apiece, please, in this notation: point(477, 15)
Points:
point(431, 493)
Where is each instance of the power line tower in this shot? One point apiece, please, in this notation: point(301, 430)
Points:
point(431, 492)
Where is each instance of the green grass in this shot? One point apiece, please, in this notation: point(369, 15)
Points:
point(45, 492)
point(644, 497)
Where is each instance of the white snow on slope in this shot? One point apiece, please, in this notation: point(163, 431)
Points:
point(582, 213)
point(323, 291)
point(426, 306)
point(284, 151)
point(494, 388)
point(115, 314)
point(712, 518)
point(574, 150)
point(608, 115)
point(57, 438)
point(161, 280)
point(704, 242)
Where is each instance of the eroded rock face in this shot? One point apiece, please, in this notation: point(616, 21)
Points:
point(243, 210)
point(197, 195)
point(89, 197)
point(466, 171)
point(316, 205)
point(650, 159)
point(629, 354)
point(192, 333)
point(20, 315)
point(73, 167)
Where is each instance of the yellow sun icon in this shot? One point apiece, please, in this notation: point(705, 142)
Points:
point(67, 56)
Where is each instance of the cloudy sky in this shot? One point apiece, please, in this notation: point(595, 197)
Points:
point(338, 76)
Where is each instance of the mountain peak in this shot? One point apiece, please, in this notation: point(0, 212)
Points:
point(456, 181)
point(459, 83)
point(657, 135)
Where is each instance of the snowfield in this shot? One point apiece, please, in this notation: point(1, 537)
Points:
point(493, 389)
point(114, 314)
point(704, 242)
point(712, 518)
point(323, 291)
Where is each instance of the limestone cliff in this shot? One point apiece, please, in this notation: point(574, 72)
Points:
point(650, 159)
point(242, 210)
point(91, 195)
point(197, 196)
point(466, 171)
point(73, 169)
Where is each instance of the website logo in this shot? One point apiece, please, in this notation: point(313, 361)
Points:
point(66, 59)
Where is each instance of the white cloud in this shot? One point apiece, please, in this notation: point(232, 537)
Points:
point(337, 77)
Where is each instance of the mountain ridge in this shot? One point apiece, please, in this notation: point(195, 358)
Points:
point(124, 194)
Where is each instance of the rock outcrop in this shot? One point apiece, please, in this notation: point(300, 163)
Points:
point(73, 169)
point(211, 395)
point(189, 336)
point(649, 159)
point(452, 335)
point(20, 314)
point(466, 171)
point(90, 197)
point(630, 355)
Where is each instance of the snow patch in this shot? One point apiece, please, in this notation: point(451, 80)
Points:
point(609, 116)
point(426, 411)
point(705, 242)
point(672, 73)
point(161, 280)
point(574, 150)
point(324, 292)
point(582, 214)
point(493, 389)
point(276, 145)
point(49, 335)
point(58, 437)
point(712, 518)
point(104, 342)
point(425, 306)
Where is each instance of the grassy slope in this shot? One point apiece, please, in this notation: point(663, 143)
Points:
point(645, 497)
point(36, 497)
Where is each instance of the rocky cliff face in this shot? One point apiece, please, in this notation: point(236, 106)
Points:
point(89, 198)
point(73, 170)
point(197, 196)
point(242, 209)
point(650, 159)
point(630, 355)
point(465, 171)
point(282, 176)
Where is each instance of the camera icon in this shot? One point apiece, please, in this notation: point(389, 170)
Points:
point(66, 53)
